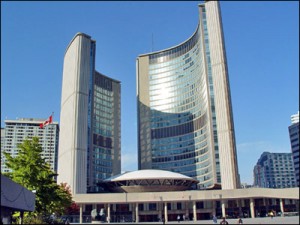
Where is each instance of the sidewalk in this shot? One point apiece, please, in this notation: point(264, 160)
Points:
point(258, 220)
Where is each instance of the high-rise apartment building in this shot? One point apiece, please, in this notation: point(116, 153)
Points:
point(2, 137)
point(294, 139)
point(16, 131)
point(185, 121)
point(274, 170)
point(295, 118)
point(90, 135)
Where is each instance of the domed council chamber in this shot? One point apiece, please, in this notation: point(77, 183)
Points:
point(149, 180)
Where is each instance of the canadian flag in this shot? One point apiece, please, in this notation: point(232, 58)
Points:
point(47, 122)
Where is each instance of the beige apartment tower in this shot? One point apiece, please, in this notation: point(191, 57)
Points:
point(185, 121)
point(90, 135)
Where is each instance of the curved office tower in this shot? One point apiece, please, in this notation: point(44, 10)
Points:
point(89, 146)
point(185, 119)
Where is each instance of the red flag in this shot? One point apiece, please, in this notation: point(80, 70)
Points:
point(47, 122)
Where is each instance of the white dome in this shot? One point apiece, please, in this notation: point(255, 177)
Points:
point(149, 174)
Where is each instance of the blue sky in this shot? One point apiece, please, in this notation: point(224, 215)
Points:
point(262, 46)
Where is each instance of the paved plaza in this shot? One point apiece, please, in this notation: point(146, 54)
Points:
point(259, 220)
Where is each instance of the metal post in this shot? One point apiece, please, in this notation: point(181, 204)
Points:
point(252, 208)
point(223, 208)
point(108, 213)
point(166, 212)
point(80, 213)
point(194, 211)
point(136, 212)
point(281, 207)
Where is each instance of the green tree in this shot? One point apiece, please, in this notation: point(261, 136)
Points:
point(31, 171)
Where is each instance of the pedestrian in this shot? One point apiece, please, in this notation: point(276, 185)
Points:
point(223, 221)
point(240, 221)
point(271, 214)
point(215, 220)
point(67, 221)
point(178, 218)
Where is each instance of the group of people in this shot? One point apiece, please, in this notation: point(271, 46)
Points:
point(183, 218)
point(224, 221)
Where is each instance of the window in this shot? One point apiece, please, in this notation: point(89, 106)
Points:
point(169, 206)
point(200, 205)
point(179, 206)
point(152, 206)
point(141, 207)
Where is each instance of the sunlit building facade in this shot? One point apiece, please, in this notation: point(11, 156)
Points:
point(185, 121)
point(274, 170)
point(18, 130)
point(90, 144)
point(294, 140)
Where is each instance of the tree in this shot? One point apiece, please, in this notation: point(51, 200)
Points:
point(63, 201)
point(30, 170)
point(73, 209)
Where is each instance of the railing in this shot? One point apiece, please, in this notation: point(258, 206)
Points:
point(75, 218)
point(290, 213)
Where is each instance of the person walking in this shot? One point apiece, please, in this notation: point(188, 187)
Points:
point(67, 221)
point(178, 218)
point(223, 221)
point(215, 220)
point(271, 214)
point(240, 221)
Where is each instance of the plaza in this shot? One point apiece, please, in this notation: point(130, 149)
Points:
point(261, 220)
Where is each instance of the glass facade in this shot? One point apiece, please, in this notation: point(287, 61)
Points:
point(103, 130)
point(177, 119)
point(178, 104)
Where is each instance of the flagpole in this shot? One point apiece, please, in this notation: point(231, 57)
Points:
point(51, 143)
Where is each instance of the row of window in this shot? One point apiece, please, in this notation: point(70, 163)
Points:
point(182, 138)
point(161, 72)
point(175, 52)
point(101, 171)
point(181, 144)
point(185, 165)
point(178, 81)
point(187, 89)
point(198, 155)
point(171, 109)
point(157, 116)
point(189, 127)
point(180, 99)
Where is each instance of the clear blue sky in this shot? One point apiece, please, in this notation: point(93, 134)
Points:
point(261, 39)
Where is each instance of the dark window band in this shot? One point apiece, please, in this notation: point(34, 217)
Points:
point(179, 129)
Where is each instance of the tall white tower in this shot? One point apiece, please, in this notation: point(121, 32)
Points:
point(89, 147)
